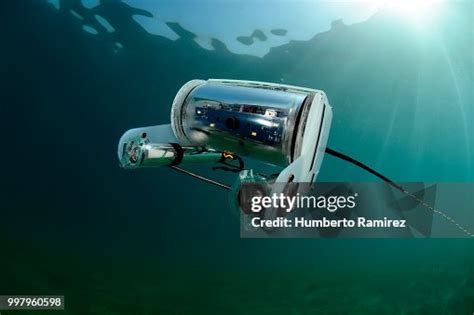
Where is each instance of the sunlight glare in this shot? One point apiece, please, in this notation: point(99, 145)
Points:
point(416, 11)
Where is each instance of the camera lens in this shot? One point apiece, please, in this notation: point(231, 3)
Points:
point(232, 123)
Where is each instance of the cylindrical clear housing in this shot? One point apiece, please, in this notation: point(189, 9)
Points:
point(248, 118)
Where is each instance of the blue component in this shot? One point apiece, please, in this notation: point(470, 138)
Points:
point(250, 123)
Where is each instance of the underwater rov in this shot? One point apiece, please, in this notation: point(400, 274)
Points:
point(223, 121)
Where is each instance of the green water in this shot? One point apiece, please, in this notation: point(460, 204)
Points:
point(154, 242)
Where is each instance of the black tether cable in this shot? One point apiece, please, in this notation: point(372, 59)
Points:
point(365, 167)
point(202, 178)
point(398, 187)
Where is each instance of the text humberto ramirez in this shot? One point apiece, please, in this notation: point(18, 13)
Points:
point(331, 204)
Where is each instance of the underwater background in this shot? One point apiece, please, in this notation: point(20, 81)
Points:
point(156, 242)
